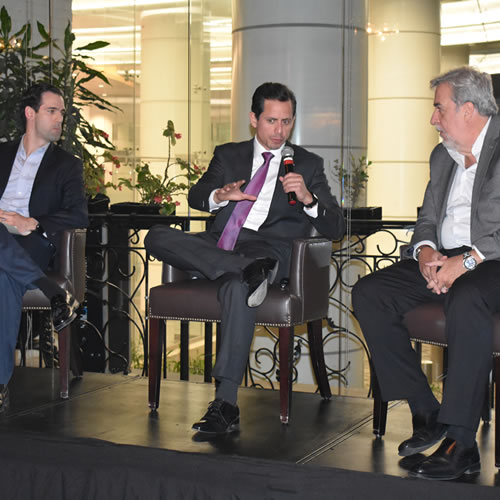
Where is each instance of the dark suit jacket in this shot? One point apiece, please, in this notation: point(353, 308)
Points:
point(233, 161)
point(58, 199)
point(485, 203)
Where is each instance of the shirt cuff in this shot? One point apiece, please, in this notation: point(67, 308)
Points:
point(420, 244)
point(312, 212)
point(474, 247)
point(212, 205)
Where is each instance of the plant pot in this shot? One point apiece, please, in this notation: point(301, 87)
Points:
point(365, 213)
point(98, 204)
point(361, 214)
point(130, 207)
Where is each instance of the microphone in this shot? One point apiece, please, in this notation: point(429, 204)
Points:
point(287, 155)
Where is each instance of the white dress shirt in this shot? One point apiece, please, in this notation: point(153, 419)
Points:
point(16, 197)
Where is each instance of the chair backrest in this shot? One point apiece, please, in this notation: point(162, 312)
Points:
point(72, 260)
point(70, 273)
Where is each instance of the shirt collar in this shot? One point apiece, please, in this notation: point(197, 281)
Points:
point(21, 151)
point(476, 147)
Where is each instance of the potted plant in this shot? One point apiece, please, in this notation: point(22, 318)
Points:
point(353, 180)
point(157, 191)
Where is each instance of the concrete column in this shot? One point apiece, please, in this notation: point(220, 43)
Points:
point(318, 49)
point(400, 137)
point(174, 80)
point(454, 57)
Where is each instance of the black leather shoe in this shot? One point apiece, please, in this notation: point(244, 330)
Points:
point(63, 310)
point(258, 276)
point(4, 397)
point(427, 431)
point(450, 461)
point(221, 418)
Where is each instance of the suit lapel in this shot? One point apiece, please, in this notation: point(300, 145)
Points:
point(490, 147)
point(6, 163)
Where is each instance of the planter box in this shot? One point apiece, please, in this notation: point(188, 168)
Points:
point(129, 207)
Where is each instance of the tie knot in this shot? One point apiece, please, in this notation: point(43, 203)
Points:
point(267, 156)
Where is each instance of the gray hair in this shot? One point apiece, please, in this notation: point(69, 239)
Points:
point(470, 85)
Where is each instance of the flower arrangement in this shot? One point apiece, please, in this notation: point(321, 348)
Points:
point(353, 179)
point(160, 189)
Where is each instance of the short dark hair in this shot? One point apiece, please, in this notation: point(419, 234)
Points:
point(274, 92)
point(33, 97)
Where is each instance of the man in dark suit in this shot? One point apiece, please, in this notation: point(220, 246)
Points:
point(262, 250)
point(456, 261)
point(41, 195)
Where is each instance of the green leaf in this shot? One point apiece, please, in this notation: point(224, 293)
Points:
point(94, 45)
point(6, 22)
point(42, 31)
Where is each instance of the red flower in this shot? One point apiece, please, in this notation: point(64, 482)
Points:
point(169, 198)
point(158, 198)
point(177, 203)
point(178, 136)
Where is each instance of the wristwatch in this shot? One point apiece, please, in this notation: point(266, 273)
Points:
point(313, 203)
point(470, 263)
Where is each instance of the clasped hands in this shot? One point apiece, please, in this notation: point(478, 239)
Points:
point(438, 270)
point(291, 182)
point(25, 225)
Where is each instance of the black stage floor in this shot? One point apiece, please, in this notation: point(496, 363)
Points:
point(328, 450)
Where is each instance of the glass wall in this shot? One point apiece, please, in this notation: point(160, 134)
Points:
point(166, 60)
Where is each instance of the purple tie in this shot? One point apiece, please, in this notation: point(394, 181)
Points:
point(233, 226)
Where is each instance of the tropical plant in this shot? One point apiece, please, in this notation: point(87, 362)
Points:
point(160, 189)
point(352, 179)
point(22, 64)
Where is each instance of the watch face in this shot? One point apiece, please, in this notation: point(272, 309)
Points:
point(470, 263)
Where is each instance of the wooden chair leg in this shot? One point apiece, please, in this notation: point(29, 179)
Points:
point(155, 355)
point(286, 372)
point(64, 357)
point(315, 336)
point(379, 408)
point(496, 372)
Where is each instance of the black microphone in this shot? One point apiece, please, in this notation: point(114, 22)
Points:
point(287, 155)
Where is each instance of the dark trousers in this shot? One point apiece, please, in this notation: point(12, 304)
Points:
point(198, 254)
point(18, 272)
point(381, 299)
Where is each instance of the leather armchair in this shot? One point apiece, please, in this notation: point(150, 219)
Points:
point(70, 276)
point(426, 325)
point(304, 300)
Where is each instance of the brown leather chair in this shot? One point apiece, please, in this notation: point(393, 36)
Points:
point(426, 325)
point(71, 277)
point(304, 300)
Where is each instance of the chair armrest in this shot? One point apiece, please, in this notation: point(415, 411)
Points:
point(171, 274)
point(72, 260)
point(310, 274)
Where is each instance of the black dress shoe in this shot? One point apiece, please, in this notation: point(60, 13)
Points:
point(258, 275)
point(450, 461)
point(427, 431)
point(4, 397)
point(220, 418)
point(63, 310)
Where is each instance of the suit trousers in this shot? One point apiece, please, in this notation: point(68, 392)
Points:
point(382, 298)
point(199, 255)
point(18, 272)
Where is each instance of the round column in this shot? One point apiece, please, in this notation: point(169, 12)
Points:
point(319, 50)
point(400, 137)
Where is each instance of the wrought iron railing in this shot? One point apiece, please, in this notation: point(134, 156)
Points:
point(114, 238)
